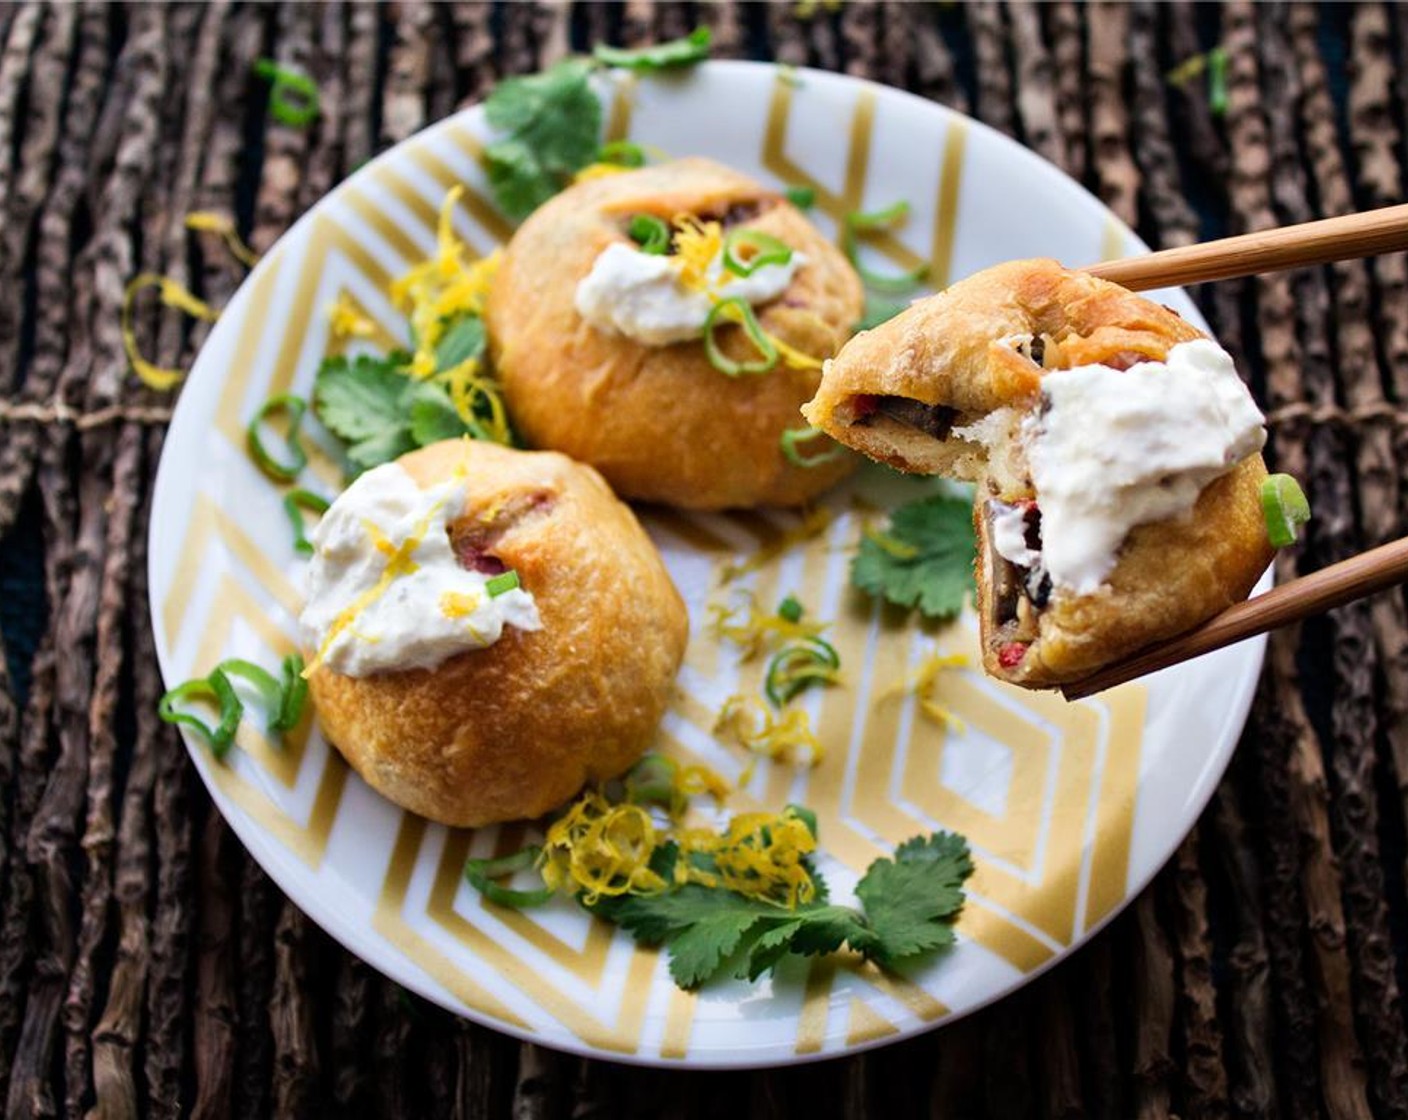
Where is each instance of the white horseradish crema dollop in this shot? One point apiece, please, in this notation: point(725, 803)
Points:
point(1112, 449)
point(1008, 535)
point(384, 589)
point(640, 294)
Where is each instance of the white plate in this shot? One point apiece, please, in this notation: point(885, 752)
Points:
point(1070, 808)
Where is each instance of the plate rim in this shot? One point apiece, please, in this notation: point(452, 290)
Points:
point(401, 969)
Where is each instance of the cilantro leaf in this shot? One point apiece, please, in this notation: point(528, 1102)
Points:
point(360, 398)
point(363, 403)
point(912, 900)
point(462, 340)
point(924, 559)
point(699, 951)
point(552, 121)
point(693, 48)
point(432, 416)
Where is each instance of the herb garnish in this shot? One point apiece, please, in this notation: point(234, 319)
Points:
point(293, 95)
point(693, 48)
point(909, 903)
point(924, 559)
point(551, 122)
point(381, 413)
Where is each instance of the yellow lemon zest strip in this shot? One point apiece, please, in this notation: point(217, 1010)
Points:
point(758, 631)
point(783, 738)
point(761, 856)
point(458, 604)
point(208, 221)
point(597, 848)
point(467, 387)
point(346, 321)
point(172, 295)
point(923, 683)
point(599, 171)
point(697, 244)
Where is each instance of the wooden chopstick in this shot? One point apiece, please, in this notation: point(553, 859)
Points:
point(1331, 587)
point(1366, 234)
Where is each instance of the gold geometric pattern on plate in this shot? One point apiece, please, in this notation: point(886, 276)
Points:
point(1021, 905)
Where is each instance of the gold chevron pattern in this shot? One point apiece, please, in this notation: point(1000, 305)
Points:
point(1052, 844)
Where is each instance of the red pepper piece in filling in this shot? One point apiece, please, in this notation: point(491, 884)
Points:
point(1010, 655)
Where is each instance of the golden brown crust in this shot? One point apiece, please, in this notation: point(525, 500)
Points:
point(516, 729)
point(1171, 576)
point(945, 350)
point(660, 422)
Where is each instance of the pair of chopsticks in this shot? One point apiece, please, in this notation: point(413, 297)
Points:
point(1299, 246)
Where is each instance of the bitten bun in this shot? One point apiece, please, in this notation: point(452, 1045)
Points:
point(659, 422)
point(978, 352)
point(515, 729)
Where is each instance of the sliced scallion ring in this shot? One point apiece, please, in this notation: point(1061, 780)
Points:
point(295, 502)
point(623, 153)
point(737, 311)
point(747, 250)
point(502, 584)
point(797, 667)
point(295, 693)
point(481, 874)
point(295, 407)
point(869, 222)
point(793, 436)
point(650, 233)
point(803, 198)
point(215, 689)
point(293, 95)
point(654, 781)
point(262, 681)
point(1284, 505)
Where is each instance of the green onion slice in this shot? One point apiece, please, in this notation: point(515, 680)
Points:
point(747, 250)
point(295, 693)
point(798, 667)
point(1285, 508)
point(736, 310)
point(803, 198)
point(270, 691)
point(502, 584)
point(793, 436)
point(295, 502)
point(650, 233)
point(790, 609)
point(481, 874)
point(293, 95)
point(295, 407)
point(867, 222)
point(215, 689)
point(652, 781)
point(887, 218)
point(623, 153)
point(1217, 81)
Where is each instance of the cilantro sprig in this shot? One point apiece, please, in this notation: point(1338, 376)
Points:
point(909, 905)
point(551, 121)
point(380, 413)
point(923, 559)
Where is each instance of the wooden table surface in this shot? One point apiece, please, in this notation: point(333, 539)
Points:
point(149, 968)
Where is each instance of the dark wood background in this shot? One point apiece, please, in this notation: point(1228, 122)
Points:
point(148, 967)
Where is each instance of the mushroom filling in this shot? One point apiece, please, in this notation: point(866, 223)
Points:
point(934, 420)
point(1021, 586)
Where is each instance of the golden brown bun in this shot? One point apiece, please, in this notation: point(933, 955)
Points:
point(1171, 576)
point(660, 422)
point(516, 729)
point(944, 350)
